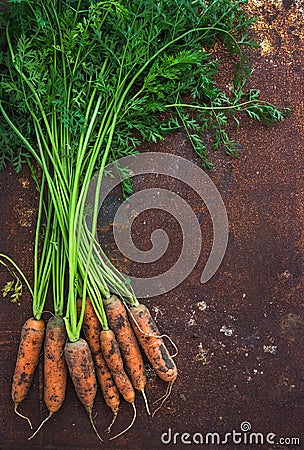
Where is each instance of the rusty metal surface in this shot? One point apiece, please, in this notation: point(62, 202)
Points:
point(241, 335)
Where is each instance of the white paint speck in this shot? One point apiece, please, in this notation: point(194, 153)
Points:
point(191, 322)
point(227, 331)
point(202, 306)
point(270, 348)
point(203, 354)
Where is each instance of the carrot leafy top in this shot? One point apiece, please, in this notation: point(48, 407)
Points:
point(84, 82)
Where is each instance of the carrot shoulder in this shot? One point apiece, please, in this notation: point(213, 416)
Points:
point(152, 343)
point(32, 335)
point(119, 323)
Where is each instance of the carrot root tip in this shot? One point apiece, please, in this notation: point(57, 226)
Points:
point(146, 402)
point(164, 397)
point(22, 416)
point(94, 427)
point(112, 423)
point(40, 426)
point(128, 427)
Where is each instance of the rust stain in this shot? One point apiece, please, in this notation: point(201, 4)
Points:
point(279, 25)
point(25, 182)
point(23, 214)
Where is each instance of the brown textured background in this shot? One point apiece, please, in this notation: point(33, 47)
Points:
point(255, 371)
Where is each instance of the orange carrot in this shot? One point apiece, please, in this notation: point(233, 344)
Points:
point(112, 356)
point(31, 340)
point(119, 323)
point(152, 343)
point(92, 327)
point(81, 367)
point(55, 369)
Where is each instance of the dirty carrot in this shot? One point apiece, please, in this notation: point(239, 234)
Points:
point(112, 355)
point(152, 343)
point(119, 323)
point(92, 327)
point(31, 340)
point(55, 369)
point(33, 330)
point(81, 367)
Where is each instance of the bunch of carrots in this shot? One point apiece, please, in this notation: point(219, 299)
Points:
point(83, 82)
point(110, 357)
